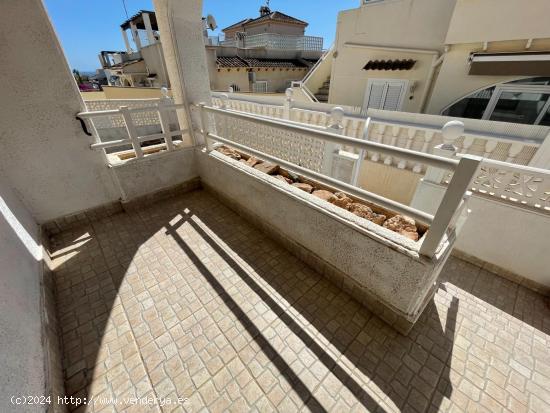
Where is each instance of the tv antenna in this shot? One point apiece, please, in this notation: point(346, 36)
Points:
point(126, 10)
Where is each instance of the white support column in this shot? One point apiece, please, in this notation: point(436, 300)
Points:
point(180, 25)
point(451, 202)
point(132, 131)
point(335, 126)
point(126, 41)
point(148, 28)
point(135, 35)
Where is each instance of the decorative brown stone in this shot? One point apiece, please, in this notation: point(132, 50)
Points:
point(267, 168)
point(324, 195)
point(283, 178)
point(304, 187)
point(232, 153)
point(403, 225)
point(341, 200)
point(364, 211)
point(252, 161)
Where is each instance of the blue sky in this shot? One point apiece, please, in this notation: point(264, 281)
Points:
point(86, 27)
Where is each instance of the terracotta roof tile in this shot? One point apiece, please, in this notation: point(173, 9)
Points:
point(236, 61)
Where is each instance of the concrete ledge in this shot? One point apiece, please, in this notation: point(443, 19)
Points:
point(380, 268)
point(330, 272)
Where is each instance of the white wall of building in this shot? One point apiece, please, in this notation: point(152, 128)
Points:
point(388, 30)
point(22, 357)
point(453, 81)
point(494, 20)
point(510, 239)
point(43, 150)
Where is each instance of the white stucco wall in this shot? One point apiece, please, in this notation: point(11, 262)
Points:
point(43, 150)
point(383, 263)
point(401, 24)
point(150, 174)
point(498, 233)
point(453, 81)
point(420, 24)
point(514, 19)
point(22, 356)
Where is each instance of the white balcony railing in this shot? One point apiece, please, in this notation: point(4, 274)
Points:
point(275, 41)
point(132, 119)
point(305, 149)
point(507, 149)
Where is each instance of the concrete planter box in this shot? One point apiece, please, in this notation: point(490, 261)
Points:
point(379, 267)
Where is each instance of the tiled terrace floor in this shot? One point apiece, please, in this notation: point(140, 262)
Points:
point(187, 300)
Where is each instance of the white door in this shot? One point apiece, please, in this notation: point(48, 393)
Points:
point(387, 94)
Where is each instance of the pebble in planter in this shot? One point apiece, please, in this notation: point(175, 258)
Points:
point(403, 225)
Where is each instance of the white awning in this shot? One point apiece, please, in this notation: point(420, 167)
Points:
point(510, 64)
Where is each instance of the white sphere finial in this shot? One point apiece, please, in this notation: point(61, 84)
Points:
point(230, 89)
point(289, 93)
point(164, 92)
point(337, 115)
point(451, 131)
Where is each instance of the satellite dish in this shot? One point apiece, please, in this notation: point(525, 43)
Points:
point(211, 22)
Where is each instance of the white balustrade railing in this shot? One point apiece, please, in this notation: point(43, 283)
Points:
point(304, 149)
point(501, 141)
point(275, 41)
point(511, 146)
point(131, 118)
point(524, 186)
point(147, 118)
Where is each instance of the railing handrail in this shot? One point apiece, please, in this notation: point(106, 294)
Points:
point(317, 63)
point(474, 134)
point(111, 112)
point(453, 199)
point(413, 156)
point(134, 138)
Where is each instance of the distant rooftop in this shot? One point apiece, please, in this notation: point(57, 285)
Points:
point(236, 61)
point(137, 19)
point(267, 15)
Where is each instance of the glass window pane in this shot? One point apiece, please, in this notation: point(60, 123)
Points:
point(519, 107)
point(472, 106)
point(546, 118)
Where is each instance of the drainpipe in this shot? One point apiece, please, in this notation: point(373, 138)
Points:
point(436, 61)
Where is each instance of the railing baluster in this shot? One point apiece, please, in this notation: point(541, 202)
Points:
point(454, 195)
point(132, 131)
point(165, 126)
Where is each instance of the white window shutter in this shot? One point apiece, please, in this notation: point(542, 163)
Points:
point(393, 96)
point(376, 95)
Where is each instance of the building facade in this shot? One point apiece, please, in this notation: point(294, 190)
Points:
point(263, 54)
point(142, 63)
point(443, 57)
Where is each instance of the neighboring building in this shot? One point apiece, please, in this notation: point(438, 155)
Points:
point(263, 54)
point(142, 64)
point(486, 59)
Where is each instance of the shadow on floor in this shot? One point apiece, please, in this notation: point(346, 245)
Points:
point(355, 346)
point(399, 372)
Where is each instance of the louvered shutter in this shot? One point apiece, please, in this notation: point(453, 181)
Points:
point(376, 95)
point(393, 96)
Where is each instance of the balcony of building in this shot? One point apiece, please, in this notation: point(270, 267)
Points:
point(271, 41)
point(219, 254)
